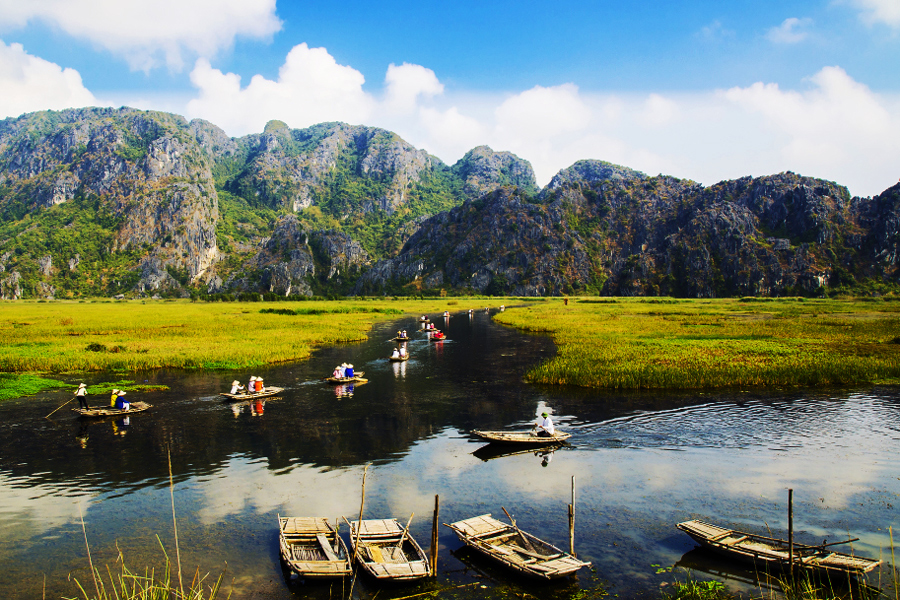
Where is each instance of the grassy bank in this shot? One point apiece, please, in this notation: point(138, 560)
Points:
point(668, 343)
point(71, 337)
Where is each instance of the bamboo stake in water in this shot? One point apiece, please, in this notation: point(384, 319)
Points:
point(791, 532)
point(175, 522)
point(572, 520)
point(434, 536)
point(362, 504)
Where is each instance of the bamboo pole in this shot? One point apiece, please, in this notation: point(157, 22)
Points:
point(66, 402)
point(362, 504)
point(572, 520)
point(791, 532)
point(525, 540)
point(434, 536)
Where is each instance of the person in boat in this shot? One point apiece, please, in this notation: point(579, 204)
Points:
point(337, 372)
point(348, 372)
point(395, 353)
point(404, 334)
point(402, 351)
point(236, 387)
point(545, 426)
point(82, 398)
point(113, 398)
point(251, 385)
point(260, 386)
point(121, 402)
point(446, 313)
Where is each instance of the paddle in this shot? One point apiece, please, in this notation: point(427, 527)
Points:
point(519, 531)
point(405, 531)
point(67, 401)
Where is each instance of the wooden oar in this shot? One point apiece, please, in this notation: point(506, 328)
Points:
point(67, 401)
point(519, 531)
point(823, 544)
point(405, 531)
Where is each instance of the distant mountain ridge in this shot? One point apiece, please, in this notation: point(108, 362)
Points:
point(123, 201)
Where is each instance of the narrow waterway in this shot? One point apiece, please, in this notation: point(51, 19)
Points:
point(641, 462)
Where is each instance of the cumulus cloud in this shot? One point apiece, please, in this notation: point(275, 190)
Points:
point(879, 11)
point(404, 85)
point(148, 34)
point(791, 31)
point(311, 88)
point(30, 83)
point(836, 128)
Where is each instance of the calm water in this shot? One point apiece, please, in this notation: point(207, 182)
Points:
point(642, 463)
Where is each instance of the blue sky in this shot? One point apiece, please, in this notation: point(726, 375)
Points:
point(696, 89)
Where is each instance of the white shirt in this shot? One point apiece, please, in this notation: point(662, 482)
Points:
point(547, 425)
point(235, 388)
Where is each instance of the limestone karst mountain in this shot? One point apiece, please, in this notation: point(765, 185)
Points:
point(123, 201)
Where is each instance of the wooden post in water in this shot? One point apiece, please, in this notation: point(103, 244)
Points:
point(572, 520)
point(434, 536)
point(791, 532)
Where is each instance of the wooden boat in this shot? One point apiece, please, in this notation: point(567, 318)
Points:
point(424, 320)
point(437, 336)
point(357, 378)
point(312, 548)
point(387, 551)
point(398, 358)
point(773, 554)
point(521, 437)
point(514, 548)
point(268, 391)
point(134, 407)
point(401, 339)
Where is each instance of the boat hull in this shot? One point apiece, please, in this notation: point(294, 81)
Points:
point(398, 358)
point(269, 391)
point(311, 548)
point(773, 554)
point(521, 437)
point(136, 407)
point(505, 544)
point(381, 555)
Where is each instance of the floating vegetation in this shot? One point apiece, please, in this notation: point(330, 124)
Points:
point(14, 385)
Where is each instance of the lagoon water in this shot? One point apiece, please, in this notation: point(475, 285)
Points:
point(642, 462)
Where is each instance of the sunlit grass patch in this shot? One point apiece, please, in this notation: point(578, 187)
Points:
point(630, 343)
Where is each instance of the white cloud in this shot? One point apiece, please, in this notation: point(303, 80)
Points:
point(30, 83)
point(148, 34)
point(837, 129)
point(791, 31)
point(407, 83)
point(715, 31)
point(311, 88)
point(879, 11)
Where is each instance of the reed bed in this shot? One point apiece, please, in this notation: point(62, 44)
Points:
point(683, 344)
point(69, 337)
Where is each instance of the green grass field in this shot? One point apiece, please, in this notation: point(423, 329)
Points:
point(74, 337)
point(658, 343)
point(603, 342)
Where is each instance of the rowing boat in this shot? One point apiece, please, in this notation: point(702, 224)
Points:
point(268, 391)
point(134, 407)
point(514, 548)
point(521, 437)
point(357, 378)
point(399, 358)
point(386, 550)
point(401, 339)
point(772, 553)
point(312, 548)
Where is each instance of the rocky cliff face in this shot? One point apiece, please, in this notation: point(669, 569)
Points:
point(604, 229)
point(107, 201)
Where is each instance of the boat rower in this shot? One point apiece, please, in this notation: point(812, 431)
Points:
point(545, 427)
point(236, 387)
point(82, 399)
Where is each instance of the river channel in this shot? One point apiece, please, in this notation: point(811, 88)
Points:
point(642, 462)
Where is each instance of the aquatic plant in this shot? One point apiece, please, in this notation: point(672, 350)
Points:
point(633, 343)
point(15, 386)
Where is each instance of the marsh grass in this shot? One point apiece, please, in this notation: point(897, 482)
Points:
point(69, 337)
point(15, 386)
point(633, 343)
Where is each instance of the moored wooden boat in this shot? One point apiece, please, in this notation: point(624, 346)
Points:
point(357, 378)
point(387, 551)
point(515, 548)
point(268, 391)
point(398, 358)
point(521, 437)
point(312, 548)
point(772, 553)
point(134, 407)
